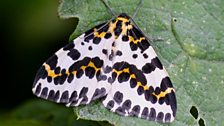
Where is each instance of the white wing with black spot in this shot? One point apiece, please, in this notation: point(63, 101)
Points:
point(140, 84)
point(76, 73)
point(115, 62)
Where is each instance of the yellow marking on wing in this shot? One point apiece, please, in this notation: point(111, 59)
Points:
point(163, 94)
point(121, 71)
point(139, 84)
point(50, 72)
point(118, 72)
point(96, 34)
point(137, 40)
point(126, 70)
point(132, 76)
point(146, 87)
point(124, 28)
point(129, 27)
point(90, 64)
point(123, 19)
point(112, 26)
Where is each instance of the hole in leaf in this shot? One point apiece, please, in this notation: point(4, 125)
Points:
point(201, 122)
point(174, 19)
point(194, 112)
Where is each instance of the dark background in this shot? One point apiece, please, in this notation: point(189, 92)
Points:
point(31, 31)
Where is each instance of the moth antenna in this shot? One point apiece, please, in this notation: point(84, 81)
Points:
point(137, 8)
point(109, 8)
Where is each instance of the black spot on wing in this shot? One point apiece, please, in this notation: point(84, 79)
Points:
point(70, 78)
point(149, 96)
point(90, 72)
point(96, 40)
point(138, 73)
point(99, 93)
point(56, 80)
point(56, 96)
point(61, 79)
point(49, 79)
point(143, 45)
point(125, 38)
point(160, 117)
point(152, 114)
point(73, 96)
point(44, 92)
point(120, 111)
point(145, 113)
point(167, 117)
point(97, 62)
point(83, 92)
point(123, 77)
point(133, 82)
point(111, 55)
point(140, 90)
point(118, 29)
point(145, 56)
point(127, 104)
point(120, 65)
point(162, 100)
point(42, 73)
point(90, 48)
point(165, 83)
point(84, 100)
point(119, 53)
point(76, 66)
point(103, 28)
point(107, 35)
point(79, 73)
point(52, 61)
point(156, 62)
point(118, 97)
point(135, 56)
point(171, 100)
point(64, 97)
point(110, 104)
point(38, 89)
point(135, 110)
point(137, 34)
point(100, 76)
point(157, 90)
point(74, 54)
point(107, 69)
point(148, 68)
point(51, 95)
point(104, 51)
point(133, 46)
point(69, 46)
point(57, 70)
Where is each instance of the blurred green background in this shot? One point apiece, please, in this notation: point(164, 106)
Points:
point(31, 31)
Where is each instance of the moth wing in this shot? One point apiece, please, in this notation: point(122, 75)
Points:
point(140, 84)
point(75, 74)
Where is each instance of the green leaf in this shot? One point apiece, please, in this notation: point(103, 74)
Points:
point(43, 113)
point(192, 52)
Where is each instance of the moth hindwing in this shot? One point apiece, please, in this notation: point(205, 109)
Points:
point(114, 62)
